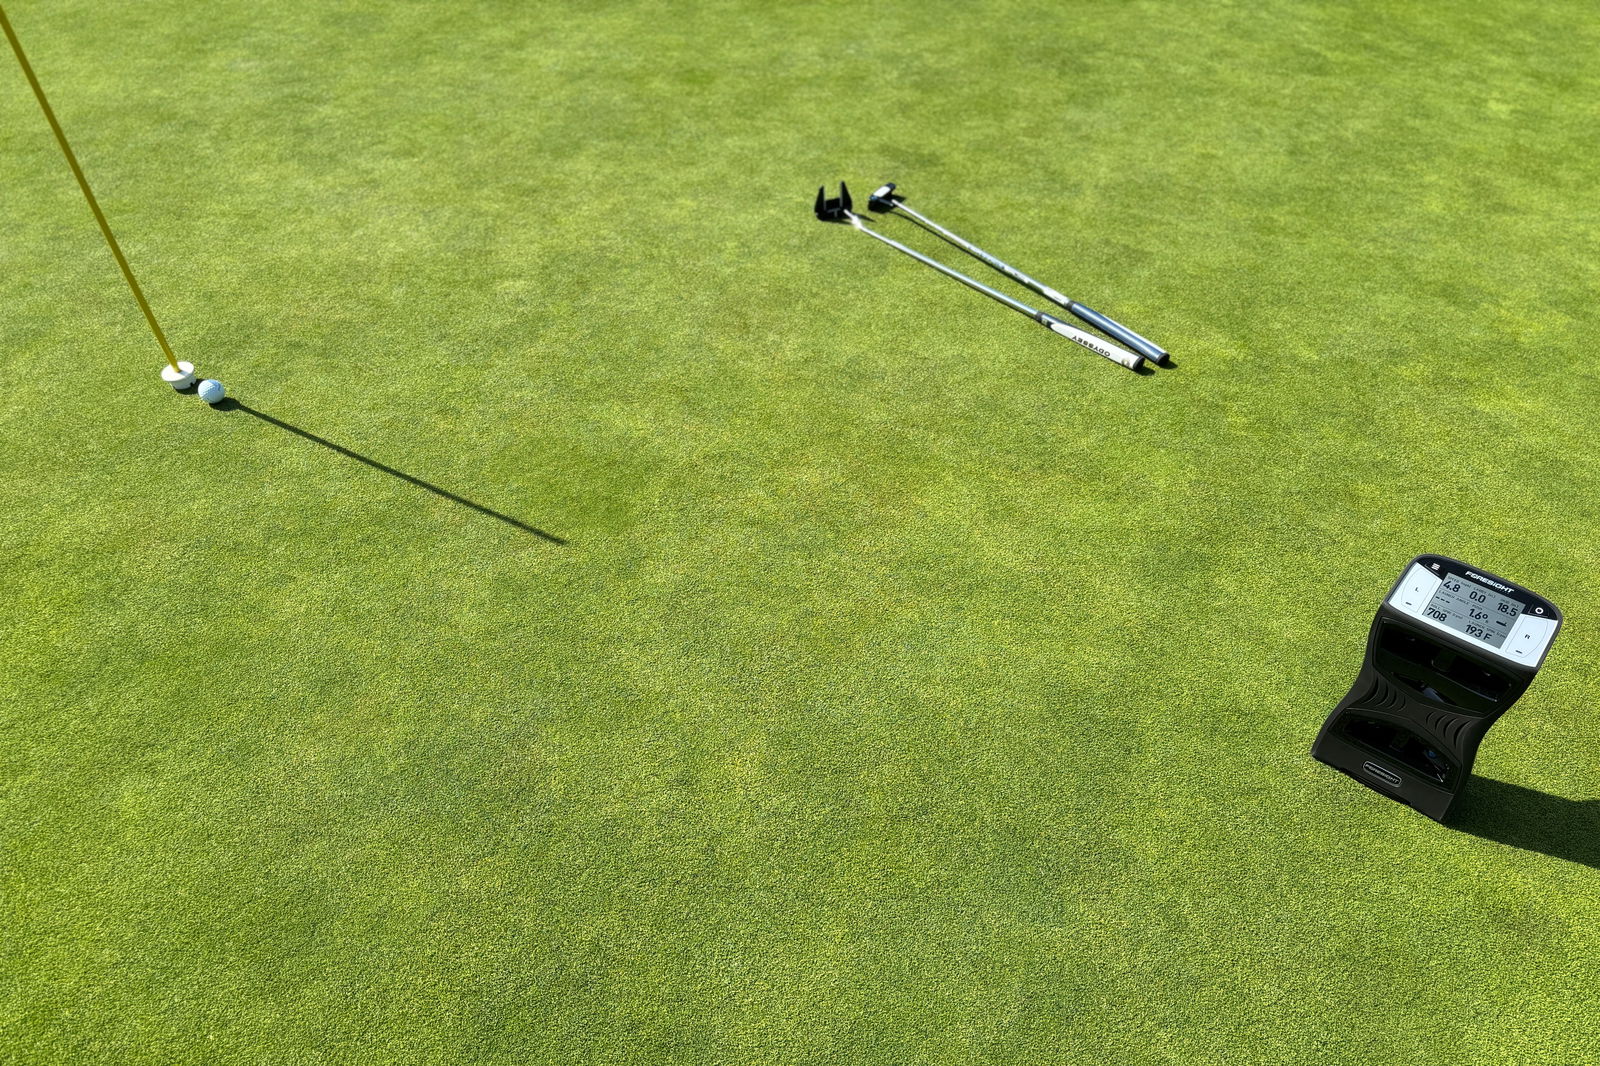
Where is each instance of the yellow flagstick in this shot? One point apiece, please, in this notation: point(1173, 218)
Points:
point(179, 375)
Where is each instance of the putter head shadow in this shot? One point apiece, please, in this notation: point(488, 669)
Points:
point(884, 199)
point(835, 210)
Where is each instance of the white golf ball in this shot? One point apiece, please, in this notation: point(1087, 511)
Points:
point(211, 391)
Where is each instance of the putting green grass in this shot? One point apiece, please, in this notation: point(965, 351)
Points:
point(894, 682)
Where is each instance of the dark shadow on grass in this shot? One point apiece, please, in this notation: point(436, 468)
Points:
point(1532, 820)
point(230, 404)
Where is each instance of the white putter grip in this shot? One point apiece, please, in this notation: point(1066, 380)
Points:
point(1131, 360)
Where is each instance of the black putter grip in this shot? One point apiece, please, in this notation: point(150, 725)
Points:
point(1112, 328)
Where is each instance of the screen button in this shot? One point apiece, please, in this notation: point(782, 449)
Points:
point(1528, 639)
point(1415, 590)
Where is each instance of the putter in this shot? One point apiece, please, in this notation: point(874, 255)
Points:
point(839, 210)
point(885, 200)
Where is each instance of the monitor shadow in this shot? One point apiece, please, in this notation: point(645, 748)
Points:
point(1532, 820)
point(231, 404)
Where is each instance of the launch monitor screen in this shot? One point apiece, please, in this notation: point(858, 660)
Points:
point(1501, 618)
point(1469, 608)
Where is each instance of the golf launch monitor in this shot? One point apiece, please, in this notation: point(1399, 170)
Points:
point(1450, 650)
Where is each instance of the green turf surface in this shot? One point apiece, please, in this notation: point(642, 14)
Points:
point(911, 686)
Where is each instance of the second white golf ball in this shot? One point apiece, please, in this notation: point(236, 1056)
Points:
point(211, 391)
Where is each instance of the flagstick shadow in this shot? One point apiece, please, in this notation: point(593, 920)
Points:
point(231, 404)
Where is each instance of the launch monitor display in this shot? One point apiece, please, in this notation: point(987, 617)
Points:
point(1487, 611)
point(1469, 608)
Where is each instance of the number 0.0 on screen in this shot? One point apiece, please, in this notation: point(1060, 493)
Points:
point(1474, 610)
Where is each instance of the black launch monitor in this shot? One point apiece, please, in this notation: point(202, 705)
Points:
point(1451, 649)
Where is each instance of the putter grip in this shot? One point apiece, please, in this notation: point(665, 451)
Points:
point(1099, 347)
point(1112, 328)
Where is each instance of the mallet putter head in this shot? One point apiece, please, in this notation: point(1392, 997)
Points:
point(836, 210)
point(883, 198)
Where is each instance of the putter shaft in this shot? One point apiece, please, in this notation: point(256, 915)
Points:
point(1110, 327)
point(1131, 360)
